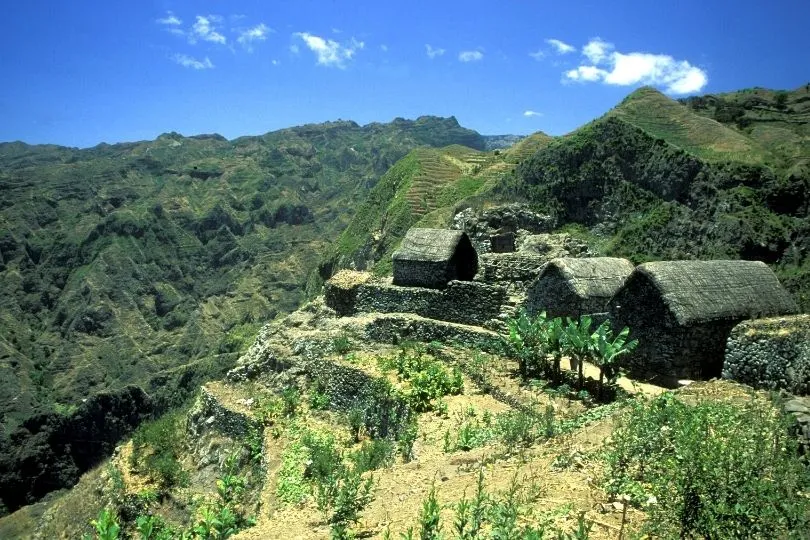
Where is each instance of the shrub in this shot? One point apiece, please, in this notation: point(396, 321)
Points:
point(519, 429)
point(428, 379)
point(373, 454)
point(342, 344)
point(712, 469)
point(156, 447)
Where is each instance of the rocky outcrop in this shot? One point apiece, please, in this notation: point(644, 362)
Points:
point(515, 218)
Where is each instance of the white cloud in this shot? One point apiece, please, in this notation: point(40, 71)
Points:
point(538, 55)
point(384, 47)
point(530, 113)
point(626, 69)
point(560, 46)
point(275, 62)
point(597, 50)
point(586, 73)
point(434, 52)
point(470, 56)
point(206, 30)
point(191, 62)
point(170, 20)
point(295, 49)
point(328, 51)
point(257, 33)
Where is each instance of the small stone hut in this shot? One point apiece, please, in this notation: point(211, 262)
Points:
point(683, 311)
point(433, 257)
point(571, 287)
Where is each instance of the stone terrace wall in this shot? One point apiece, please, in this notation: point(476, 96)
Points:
point(771, 353)
point(510, 267)
point(465, 302)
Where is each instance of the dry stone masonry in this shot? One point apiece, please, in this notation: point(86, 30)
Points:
point(771, 353)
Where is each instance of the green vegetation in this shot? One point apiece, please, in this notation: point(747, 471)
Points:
point(538, 344)
point(428, 379)
point(138, 263)
point(710, 469)
point(215, 519)
point(500, 517)
point(156, 447)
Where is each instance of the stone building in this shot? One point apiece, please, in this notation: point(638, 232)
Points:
point(683, 311)
point(433, 257)
point(570, 287)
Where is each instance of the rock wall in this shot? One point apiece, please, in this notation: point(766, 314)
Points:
point(465, 302)
point(514, 268)
point(515, 218)
point(395, 328)
point(771, 353)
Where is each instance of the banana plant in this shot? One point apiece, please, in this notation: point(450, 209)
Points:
point(555, 337)
point(527, 342)
point(577, 343)
point(606, 351)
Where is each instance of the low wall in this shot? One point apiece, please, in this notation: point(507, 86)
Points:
point(395, 328)
point(771, 353)
point(465, 302)
point(510, 267)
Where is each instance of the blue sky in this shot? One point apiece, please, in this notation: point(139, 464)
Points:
point(84, 72)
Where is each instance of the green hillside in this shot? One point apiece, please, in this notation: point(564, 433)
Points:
point(653, 179)
point(121, 264)
point(422, 189)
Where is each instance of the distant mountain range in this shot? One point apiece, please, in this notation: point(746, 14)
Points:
point(155, 263)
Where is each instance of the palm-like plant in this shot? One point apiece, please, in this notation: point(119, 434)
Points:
point(607, 349)
point(527, 342)
point(555, 337)
point(577, 342)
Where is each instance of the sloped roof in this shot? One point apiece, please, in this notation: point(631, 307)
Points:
point(433, 245)
point(700, 291)
point(592, 277)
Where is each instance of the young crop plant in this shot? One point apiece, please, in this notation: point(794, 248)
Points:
point(428, 379)
point(711, 469)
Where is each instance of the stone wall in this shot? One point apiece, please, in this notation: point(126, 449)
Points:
point(771, 353)
point(510, 267)
point(340, 291)
point(386, 412)
point(396, 328)
point(208, 413)
point(465, 302)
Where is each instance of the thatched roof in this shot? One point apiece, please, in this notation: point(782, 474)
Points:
point(591, 277)
point(700, 291)
point(433, 245)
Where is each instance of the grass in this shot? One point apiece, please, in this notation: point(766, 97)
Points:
point(677, 124)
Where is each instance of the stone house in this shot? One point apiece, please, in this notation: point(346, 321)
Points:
point(682, 313)
point(433, 257)
point(571, 287)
